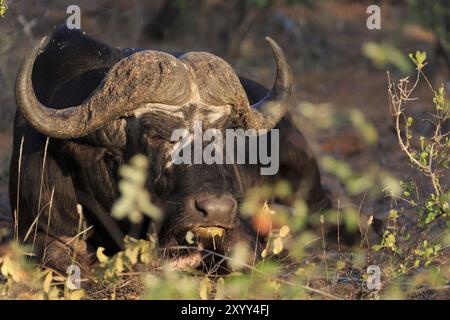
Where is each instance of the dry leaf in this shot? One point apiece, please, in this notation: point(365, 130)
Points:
point(204, 288)
point(277, 246)
point(284, 231)
point(47, 282)
point(101, 256)
point(190, 237)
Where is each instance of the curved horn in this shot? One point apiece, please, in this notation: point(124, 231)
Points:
point(147, 77)
point(274, 105)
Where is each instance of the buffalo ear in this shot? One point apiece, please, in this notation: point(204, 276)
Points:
point(71, 66)
point(255, 92)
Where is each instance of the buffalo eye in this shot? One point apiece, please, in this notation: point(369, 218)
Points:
point(154, 138)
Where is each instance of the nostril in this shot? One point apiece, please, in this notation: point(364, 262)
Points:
point(201, 207)
point(213, 207)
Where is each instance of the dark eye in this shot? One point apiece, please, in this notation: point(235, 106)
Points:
point(155, 138)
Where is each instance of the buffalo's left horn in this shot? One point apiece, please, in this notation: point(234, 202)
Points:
point(275, 104)
point(143, 79)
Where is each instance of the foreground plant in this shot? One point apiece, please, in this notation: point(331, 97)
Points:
point(23, 279)
point(422, 245)
point(3, 8)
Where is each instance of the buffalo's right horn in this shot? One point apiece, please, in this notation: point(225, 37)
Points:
point(270, 110)
point(144, 78)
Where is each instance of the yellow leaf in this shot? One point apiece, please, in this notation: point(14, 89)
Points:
point(146, 251)
point(266, 209)
point(11, 268)
point(220, 289)
point(118, 263)
point(277, 246)
point(132, 254)
point(340, 264)
point(264, 253)
point(300, 272)
point(4, 268)
point(275, 285)
point(101, 256)
point(239, 256)
point(146, 258)
point(59, 278)
point(190, 237)
point(47, 282)
point(53, 294)
point(204, 288)
point(76, 294)
point(284, 231)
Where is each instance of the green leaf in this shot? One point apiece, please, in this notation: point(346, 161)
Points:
point(390, 241)
point(418, 59)
point(3, 8)
point(340, 264)
point(393, 214)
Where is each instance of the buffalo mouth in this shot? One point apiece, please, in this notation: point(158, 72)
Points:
point(198, 250)
point(209, 232)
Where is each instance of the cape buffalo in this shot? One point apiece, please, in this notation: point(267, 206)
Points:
point(100, 105)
